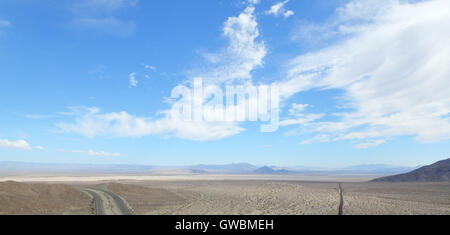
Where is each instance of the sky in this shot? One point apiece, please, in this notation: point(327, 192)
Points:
point(91, 81)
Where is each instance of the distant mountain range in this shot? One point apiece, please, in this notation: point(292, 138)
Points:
point(379, 169)
point(437, 172)
point(271, 171)
point(23, 167)
point(228, 168)
point(234, 168)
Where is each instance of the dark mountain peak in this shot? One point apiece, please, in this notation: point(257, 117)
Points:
point(265, 170)
point(437, 172)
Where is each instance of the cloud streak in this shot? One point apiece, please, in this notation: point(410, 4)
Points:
point(279, 9)
point(19, 144)
point(133, 81)
point(90, 122)
point(102, 154)
point(391, 63)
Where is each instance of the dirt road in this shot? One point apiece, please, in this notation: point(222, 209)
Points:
point(108, 203)
point(341, 201)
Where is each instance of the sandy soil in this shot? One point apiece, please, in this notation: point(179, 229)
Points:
point(397, 198)
point(224, 197)
point(21, 198)
point(230, 197)
point(284, 198)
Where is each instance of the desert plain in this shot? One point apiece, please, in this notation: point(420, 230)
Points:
point(219, 195)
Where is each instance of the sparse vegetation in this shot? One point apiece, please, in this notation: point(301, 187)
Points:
point(46, 199)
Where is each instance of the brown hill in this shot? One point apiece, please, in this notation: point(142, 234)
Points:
point(30, 199)
point(437, 172)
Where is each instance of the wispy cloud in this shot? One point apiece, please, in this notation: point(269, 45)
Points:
point(370, 144)
point(133, 80)
point(91, 123)
point(298, 109)
point(245, 51)
point(254, 2)
point(39, 148)
point(102, 154)
point(151, 67)
point(391, 61)
point(19, 144)
point(279, 9)
point(317, 139)
point(299, 116)
point(234, 63)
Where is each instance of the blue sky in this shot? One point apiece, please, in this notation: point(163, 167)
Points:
point(361, 82)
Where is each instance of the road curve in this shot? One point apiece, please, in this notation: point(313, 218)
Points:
point(97, 202)
point(341, 200)
point(123, 207)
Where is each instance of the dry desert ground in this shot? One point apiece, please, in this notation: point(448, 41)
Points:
point(254, 196)
point(48, 199)
point(397, 198)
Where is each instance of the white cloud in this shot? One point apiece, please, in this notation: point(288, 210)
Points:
point(297, 109)
point(318, 138)
point(288, 13)
point(133, 80)
point(102, 154)
point(91, 123)
point(151, 67)
point(110, 25)
point(370, 144)
point(234, 63)
point(19, 144)
point(243, 54)
point(254, 2)
point(391, 63)
point(39, 147)
point(278, 9)
point(302, 119)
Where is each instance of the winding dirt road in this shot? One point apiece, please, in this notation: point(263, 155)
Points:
point(108, 203)
point(98, 206)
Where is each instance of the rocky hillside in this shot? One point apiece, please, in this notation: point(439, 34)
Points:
point(437, 172)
